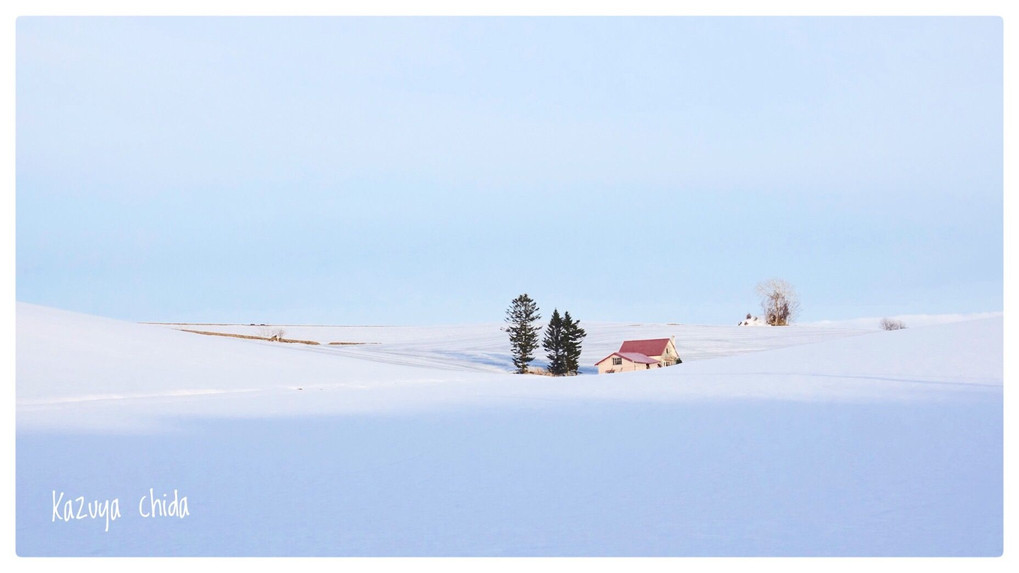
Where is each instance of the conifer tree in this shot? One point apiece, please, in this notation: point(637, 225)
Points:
point(573, 336)
point(554, 344)
point(523, 333)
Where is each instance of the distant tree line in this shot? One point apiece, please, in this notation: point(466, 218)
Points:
point(562, 340)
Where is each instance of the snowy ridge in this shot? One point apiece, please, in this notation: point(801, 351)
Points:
point(910, 320)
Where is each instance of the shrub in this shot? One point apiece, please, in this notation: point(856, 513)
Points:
point(892, 324)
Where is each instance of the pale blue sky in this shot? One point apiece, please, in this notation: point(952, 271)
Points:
point(428, 170)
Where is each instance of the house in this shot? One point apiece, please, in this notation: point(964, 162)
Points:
point(640, 355)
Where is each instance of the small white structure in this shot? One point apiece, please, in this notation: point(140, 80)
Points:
point(640, 355)
point(752, 321)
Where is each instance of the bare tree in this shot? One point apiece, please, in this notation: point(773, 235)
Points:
point(779, 301)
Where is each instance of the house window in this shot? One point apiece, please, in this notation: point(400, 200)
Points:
point(617, 361)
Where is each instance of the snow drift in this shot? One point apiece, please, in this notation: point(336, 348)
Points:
point(796, 441)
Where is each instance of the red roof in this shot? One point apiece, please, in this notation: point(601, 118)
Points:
point(635, 357)
point(653, 347)
point(638, 357)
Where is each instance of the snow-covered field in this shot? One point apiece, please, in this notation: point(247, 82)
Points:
point(803, 440)
point(485, 347)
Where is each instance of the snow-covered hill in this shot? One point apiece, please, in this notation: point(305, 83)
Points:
point(485, 347)
point(787, 441)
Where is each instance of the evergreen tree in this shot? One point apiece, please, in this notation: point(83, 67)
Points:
point(555, 344)
point(523, 334)
point(573, 335)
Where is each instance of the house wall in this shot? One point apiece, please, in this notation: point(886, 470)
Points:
point(670, 354)
point(626, 366)
point(606, 366)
